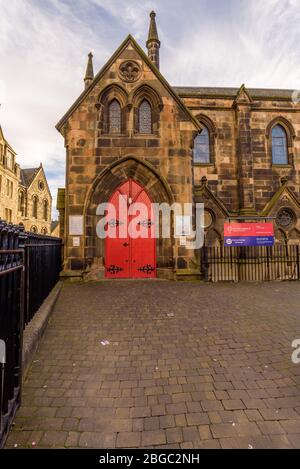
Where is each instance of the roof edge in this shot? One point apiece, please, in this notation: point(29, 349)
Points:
point(107, 65)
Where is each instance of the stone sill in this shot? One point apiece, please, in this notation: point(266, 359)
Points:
point(282, 166)
point(201, 165)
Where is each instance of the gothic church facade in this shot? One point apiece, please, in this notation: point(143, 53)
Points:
point(235, 150)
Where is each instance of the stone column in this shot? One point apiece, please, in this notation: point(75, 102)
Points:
point(242, 106)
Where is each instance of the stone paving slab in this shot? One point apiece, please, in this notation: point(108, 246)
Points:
point(217, 374)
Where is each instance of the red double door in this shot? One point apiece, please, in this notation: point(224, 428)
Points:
point(130, 254)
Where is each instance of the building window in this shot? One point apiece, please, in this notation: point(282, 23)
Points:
point(9, 188)
point(201, 153)
point(33, 229)
point(114, 117)
point(8, 215)
point(34, 206)
point(44, 230)
point(21, 207)
point(145, 118)
point(41, 185)
point(279, 145)
point(45, 210)
point(9, 160)
point(285, 218)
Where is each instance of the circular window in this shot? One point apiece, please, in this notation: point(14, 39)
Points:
point(285, 217)
point(207, 219)
point(41, 185)
point(129, 71)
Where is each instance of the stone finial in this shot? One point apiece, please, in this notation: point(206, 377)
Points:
point(89, 74)
point(153, 43)
point(204, 181)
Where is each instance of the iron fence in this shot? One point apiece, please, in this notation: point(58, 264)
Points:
point(29, 268)
point(255, 263)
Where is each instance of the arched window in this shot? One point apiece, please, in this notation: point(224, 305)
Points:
point(279, 145)
point(201, 153)
point(33, 229)
point(114, 117)
point(44, 230)
point(34, 206)
point(145, 117)
point(45, 209)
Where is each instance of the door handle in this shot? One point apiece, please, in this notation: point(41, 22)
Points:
point(126, 245)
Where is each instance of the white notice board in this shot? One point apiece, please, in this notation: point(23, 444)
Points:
point(76, 225)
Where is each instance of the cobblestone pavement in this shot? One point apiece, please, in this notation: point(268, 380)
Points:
point(187, 365)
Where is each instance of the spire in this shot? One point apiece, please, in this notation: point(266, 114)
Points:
point(153, 43)
point(89, 74)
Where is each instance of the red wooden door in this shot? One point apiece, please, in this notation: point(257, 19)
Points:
point(130, 255)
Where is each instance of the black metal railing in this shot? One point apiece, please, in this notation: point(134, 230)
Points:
point(255, 263)
point(29, 268)
point(42, 268)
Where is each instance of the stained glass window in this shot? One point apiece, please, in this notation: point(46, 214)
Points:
point(279, 145)
point(114, 117)
point(145, 118)
point(201, 152)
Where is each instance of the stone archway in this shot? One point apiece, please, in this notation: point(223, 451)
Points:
point(102, 188)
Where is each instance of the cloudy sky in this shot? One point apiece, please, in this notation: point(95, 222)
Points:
point(44, 46)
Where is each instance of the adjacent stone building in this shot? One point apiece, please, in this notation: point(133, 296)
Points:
point(34, 201)
point(9, 181)
point(25, 198)
point(236, 150)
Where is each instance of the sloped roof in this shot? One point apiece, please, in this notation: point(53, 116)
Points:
point(152, 67)
point(54, 224)
point(6, 142)
point(224, 92)
point(283, 188)
point(27, 175)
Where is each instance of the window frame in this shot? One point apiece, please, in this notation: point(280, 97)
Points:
point(45, 209)
point(208, 124)
point(109, 118)
point(105, 98)
point(147, 93)
point(284, 145)
point(146, 101)
point(22, 203)
point(290, 135)
point(208, 143)
point(35, 202)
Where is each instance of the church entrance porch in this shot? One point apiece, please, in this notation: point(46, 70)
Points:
point(130, 242)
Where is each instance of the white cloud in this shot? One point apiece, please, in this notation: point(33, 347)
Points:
point(44, 45)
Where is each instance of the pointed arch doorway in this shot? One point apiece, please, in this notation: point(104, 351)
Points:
point(127, 256)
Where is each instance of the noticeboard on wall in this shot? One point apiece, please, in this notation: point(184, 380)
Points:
point(249, 234)
point(75, 225)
